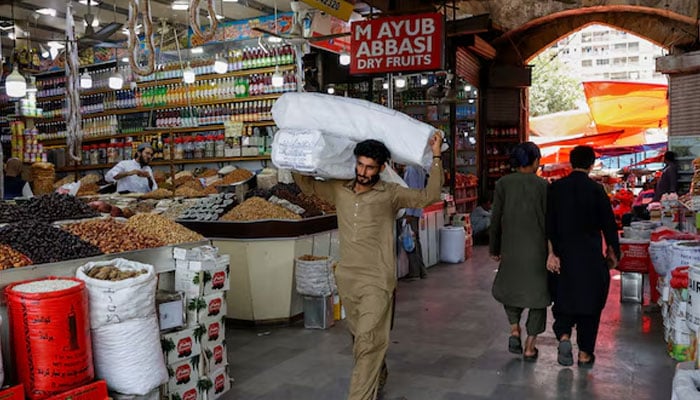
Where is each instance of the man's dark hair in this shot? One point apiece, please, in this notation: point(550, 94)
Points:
point(670, 156)
point(582, 157)
point(373, 149)
point(524, 154)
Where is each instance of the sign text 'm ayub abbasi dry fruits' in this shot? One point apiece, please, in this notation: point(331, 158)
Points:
point(394, 44)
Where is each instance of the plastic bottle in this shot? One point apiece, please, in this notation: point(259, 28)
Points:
point(220, 146)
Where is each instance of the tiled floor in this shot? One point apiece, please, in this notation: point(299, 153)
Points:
point(449, 342)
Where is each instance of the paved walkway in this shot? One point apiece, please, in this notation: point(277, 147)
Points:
point(450, 343)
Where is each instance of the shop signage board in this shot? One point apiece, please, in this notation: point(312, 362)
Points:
point(398, 44)
point(337, 8)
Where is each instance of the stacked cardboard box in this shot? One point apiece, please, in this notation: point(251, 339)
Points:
point(197, 360)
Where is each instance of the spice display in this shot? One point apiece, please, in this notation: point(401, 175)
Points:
point(57, 207)
point(111, 236)
point(63, 181)
point(12, 213)
point(87, 189)
point(319, 203)
point(90, 179)
point(112, 273)
point(256, 208)
point(44, 243)
point(183, 177)
point(186, 191)
point(237, 176)
point(11, 258)
point(282, 191)
point(159, 193)
point(210, 208)
point(206, 173)
point(43, 177)
point(159, 227)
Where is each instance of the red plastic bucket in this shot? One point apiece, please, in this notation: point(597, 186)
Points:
point(50, 331)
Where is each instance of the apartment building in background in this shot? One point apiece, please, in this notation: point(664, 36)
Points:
point(600, 52)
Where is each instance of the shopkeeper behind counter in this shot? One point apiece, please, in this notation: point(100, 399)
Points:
point(134, 176)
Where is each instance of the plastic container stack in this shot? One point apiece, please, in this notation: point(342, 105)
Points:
point(196, 355)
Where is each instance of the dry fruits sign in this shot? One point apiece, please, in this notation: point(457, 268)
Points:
point(395, 44)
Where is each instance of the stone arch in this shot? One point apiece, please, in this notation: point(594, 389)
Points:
point(664, 28)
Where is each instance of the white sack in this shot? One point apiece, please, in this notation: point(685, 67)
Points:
point(358, 120)
point(312, 152)
point(685, 385)
point(128, 356)
point(116, 302)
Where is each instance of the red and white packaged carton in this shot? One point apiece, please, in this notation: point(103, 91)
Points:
point(221, 383)
point(206, 308)
point(214, 332)
point(186, 392)
point(219, 279)
point(200, 278)
point(181, 345)
point(215, 357)
point(183, 374)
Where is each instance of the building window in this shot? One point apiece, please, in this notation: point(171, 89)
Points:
point(620, 46)
point(618, 75)
point(587, 63)
point(633, 60)
point(602, 61)
point(619, 60)
point(634, 46)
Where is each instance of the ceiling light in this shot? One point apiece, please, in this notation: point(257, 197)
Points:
point(11, 36)
point(277, 78)
point(220, 65)
point(400, 82)
point(15, 84)
point(274, 39)
point(92, 2)
point(344, 58)
point(125, 59)
point(229, 1)
point(385, 85)
point(181, 5)
point(330, 89)
point(188, 75)
point(116, 80)
point(85, 80)
point(47, 11)
point(197, 50)
point(467, 88)
point(423, 80)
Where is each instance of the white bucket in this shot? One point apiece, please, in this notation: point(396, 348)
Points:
point(452, 240)
point(692, 314)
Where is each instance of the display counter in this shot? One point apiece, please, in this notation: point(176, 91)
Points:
point(160, 257)
point(431, 221)
point(263, 288)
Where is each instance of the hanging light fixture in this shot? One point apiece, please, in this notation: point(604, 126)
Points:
point(85, 80)
point(344, 58)
point(116, 80)
point(180, 5)
point(15, 84)
point(330, 89)
point(423, 80)
point(385, 85)
point(220, 65)
point(44, 51)
point(277, 77)
point(188, 75)
point(400, 82)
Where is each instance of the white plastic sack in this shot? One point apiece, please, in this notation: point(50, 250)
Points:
point(313, 152)
point(128, 356)
point(120, 301)
point(685, 384)
point(684, 253)
point(315, 278)
point(152, 395)
point(357, 120)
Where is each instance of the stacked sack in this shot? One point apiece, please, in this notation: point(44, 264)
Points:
point(124, 326)
point(680, 339)
point(196, 355)
point(321, 143)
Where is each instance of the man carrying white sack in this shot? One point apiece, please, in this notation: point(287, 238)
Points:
point(366, 275)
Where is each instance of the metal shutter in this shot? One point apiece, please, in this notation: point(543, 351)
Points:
point(684, 105)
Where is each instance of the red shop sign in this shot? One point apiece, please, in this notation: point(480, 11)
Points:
point(394, 44)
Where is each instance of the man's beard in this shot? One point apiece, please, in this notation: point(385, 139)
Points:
point(365, 180)
point(141, 161)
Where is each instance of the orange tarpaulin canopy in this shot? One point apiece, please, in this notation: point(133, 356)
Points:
point(627, 105)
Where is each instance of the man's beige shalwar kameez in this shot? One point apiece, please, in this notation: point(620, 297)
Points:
point(366, 272)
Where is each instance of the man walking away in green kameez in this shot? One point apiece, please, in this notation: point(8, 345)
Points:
point(518, 242)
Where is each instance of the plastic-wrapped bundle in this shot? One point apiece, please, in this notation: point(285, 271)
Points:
point(357, 120)
point(313, 152)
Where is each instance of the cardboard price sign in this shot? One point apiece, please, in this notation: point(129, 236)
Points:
point(394, 44)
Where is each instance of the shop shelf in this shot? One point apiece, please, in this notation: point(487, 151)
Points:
point(88, 92)
point(465, 200)
point(244, 72)
point(147, 131)
point(167, 162)
point(513, 139)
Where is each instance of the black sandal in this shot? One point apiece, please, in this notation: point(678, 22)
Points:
point(587, 364)
point(565, 356)
point(532, 357)
point(515, 346)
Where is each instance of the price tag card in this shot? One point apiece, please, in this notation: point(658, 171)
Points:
point(233, 129)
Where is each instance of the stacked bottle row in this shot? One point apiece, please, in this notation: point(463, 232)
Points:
point(465, 111)
point(175, 95)
point(204, 145)
point(103, 153)
point(249, 111)
point(507, 132)
point(498, 167)
point(237, 60)
point(56, 86)
point(499, 150)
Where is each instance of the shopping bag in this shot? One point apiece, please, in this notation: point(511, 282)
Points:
point(408, 240)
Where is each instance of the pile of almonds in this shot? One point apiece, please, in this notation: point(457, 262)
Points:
point(238, 175)
point(112, 273)
point(11, 258)
point(256, 208)
point(112, 236)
